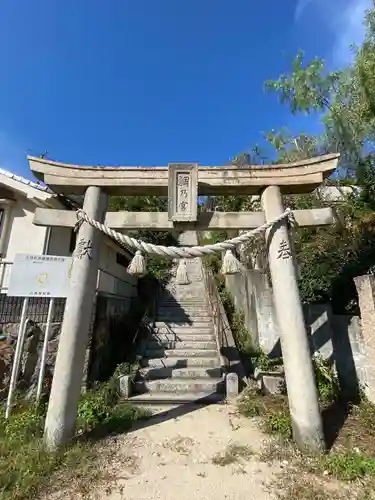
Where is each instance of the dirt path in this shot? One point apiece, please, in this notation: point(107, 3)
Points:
point(207, 453)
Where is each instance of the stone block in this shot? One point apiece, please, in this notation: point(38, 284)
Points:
point(125, 385)
point(232, 386)
point(270, 382)
point(366, 297)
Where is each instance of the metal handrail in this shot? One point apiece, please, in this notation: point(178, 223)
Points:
point(146, 318)
point(228, 351)
point(219, 317)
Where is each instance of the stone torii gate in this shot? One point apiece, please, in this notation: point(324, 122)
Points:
point(183, 183)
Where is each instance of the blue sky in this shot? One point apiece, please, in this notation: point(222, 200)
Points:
point(147, 82)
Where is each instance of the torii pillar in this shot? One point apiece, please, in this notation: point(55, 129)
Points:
point(299, 373)
point(66, 387)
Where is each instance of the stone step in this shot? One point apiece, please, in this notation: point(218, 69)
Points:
point(187, 297)
point(176, 312)
point(179, 331)
point(199, 302)
point(192, 373)
point(183, 337)
point(177, 362)
point(184, 320)
point(200, 345)
point(184, 307)
point(171, 297)
point(186, 302)
point(182, 324)
point(179, 307)
point(164, 398)
point(180, 353)
point(180, 386)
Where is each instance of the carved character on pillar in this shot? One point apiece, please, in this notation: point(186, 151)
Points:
point(84, 249)
point(284, 251)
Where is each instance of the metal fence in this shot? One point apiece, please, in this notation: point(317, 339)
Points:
point(18, 313)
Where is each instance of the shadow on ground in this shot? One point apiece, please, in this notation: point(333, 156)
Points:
point(334, 418)
point(130, 422)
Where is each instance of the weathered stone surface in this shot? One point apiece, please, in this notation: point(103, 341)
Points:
point(159, 221)
point(296, 177)
point(6, 354)
point(270, 382)
point(125, 386)
point(366, 296)
point(338, 337)
point(183, 355)
point(182, 192)
point(232, 387)
point(30, 361)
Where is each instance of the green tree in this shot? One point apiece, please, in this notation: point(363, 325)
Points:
point(329, 258)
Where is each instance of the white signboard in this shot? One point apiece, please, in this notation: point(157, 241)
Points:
point(40, 276)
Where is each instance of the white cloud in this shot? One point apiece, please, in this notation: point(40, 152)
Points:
point(349, 29)
point(343, 18)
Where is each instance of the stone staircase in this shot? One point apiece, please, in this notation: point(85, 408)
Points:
point(181, 362)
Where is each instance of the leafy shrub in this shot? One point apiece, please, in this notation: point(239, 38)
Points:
point(326, 380)
point(95, 406)
point(125, 368)
point(101, 407)
point(122, 417)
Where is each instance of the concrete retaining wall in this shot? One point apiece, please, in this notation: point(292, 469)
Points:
point(349, 341)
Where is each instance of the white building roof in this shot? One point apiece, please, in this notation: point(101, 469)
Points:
point(37, 193)
point(23, 180)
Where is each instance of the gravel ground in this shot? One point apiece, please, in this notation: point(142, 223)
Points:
point(207, 453)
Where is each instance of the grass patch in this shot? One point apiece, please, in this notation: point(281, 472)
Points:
point(234, 453)
point(279, 424)
point(350, 461)
point(273, 410)
point(27, 469)
point(348, 465)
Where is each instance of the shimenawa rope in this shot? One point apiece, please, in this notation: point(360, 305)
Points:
point(137, 266)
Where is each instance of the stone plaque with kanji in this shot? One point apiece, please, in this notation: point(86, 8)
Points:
point(183, 192)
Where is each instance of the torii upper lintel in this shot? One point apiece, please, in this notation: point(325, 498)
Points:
point(298, 177)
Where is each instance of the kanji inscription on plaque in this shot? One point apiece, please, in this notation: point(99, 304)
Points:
point(183, 192)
